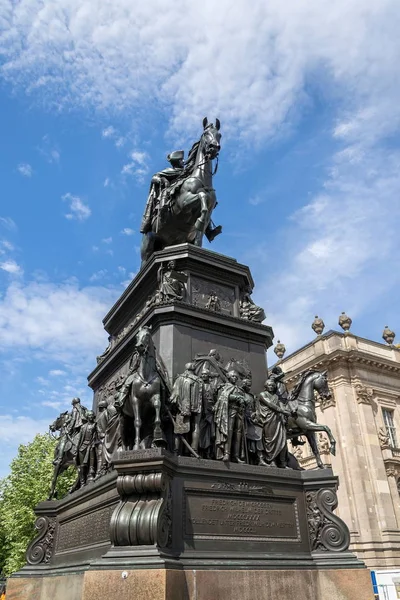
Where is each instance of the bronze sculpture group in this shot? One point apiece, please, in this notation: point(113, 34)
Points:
point(209, 411)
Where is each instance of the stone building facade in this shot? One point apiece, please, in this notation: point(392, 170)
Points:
point(364, 415)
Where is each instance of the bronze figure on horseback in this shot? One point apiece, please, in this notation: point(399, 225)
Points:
point(181, 198)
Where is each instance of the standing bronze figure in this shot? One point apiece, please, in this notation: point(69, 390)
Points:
point(186, 398)
point(182, 212)
point(229, 412)
point(272, 417)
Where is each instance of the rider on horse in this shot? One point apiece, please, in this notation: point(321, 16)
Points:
point(160, 182)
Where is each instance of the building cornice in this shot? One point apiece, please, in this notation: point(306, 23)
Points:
point(342, 356)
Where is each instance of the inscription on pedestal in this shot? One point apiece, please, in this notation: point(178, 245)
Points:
point(224, 517)
point(87, 530)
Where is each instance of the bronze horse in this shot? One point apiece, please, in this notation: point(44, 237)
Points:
point(186, 216)
point(140, 399)
point(306, 421)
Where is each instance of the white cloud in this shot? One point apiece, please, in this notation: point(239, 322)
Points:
point(79, 210)
point(112, 133)
point(7, 245)
point(138, 166)
point(8, 223)
point(98, 275)
point(257, 59)
point(49, 150)
point(107, 240)
point(20, 428)
point(340, 248)
point(55, 321)
point(16, 430)
point(106, 182)
point(10, 266)
point(57, 373)
point(109, 132)
point(53, 404)
point(256, 200)
point(128, 231)
point(25, 169)
point(119, 142)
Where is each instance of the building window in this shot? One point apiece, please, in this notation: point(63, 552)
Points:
point(390, 428)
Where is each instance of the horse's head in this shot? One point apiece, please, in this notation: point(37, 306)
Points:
point(144, 341)
point(211, 138)
point(59, 422)
point(321, 384)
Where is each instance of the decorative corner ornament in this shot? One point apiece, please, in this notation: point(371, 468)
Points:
point(384, 440)
point(323, 444)
point(327, 532)
point(364, 395)
point(345, 322)
point(280, 350)
point(41, 548)
point(393, 471)
point(325, 403)
point(388, 335)
point(318, 325)
point(144, 513)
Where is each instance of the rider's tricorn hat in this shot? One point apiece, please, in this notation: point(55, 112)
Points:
point(176, 156)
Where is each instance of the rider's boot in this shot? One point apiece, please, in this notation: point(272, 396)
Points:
point(211, 233)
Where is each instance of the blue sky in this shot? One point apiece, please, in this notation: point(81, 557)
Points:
point(93, 94)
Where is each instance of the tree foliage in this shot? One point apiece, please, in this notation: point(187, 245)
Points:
point(27, 484)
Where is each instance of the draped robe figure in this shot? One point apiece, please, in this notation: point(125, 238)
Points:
point(108, 437)
point(187, 396)
point(207, 426)
point(228, 417)
point(253, 431)
point(271, 416)
point(248, 309)
point(171, 283)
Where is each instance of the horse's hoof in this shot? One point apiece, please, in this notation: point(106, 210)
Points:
point(136, 448)
point(226, 458)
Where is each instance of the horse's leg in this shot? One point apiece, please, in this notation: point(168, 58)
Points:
point(138, 421)
point(122, 431)
point(201, 222)
point(196, 431)
point(54, 481)
point(158, 438)
point(310, 435)
point(307, 425)
point(147, 246)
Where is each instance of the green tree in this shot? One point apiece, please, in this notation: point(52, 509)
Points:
point(27, 484)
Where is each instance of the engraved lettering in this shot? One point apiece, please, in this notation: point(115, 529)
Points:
point(226, 516)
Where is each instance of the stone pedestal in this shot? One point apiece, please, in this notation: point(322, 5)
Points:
point(166, 527)
point(183, 329)
point(217, 584)
point(172, 527)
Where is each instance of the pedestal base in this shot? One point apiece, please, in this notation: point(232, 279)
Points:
point(167, 584)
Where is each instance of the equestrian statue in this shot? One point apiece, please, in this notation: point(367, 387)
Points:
point(181, 198)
